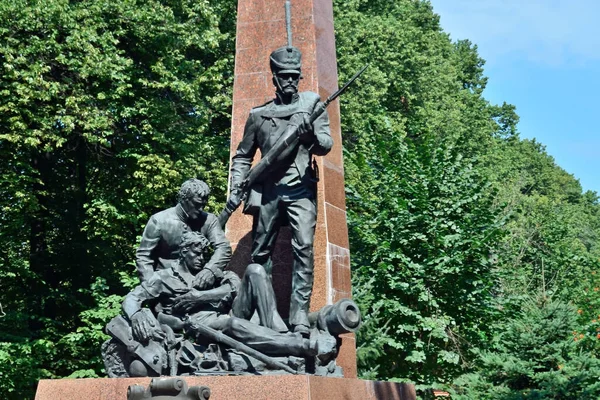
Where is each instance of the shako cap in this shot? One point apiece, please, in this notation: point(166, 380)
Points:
point(286, 60)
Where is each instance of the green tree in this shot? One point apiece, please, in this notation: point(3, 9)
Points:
point(105, 108)
point(425, 258)
point(538, 354)
point(420, 139)
point(423, 222)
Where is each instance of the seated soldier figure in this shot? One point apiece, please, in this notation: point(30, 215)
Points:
point(227, 307)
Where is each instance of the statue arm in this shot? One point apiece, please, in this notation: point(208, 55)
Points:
point(191, 300)
point(216, 295)
point(222, 249)
point(322, 142)
point(135, 299)
point(144, 255)
point(316, 136)
point(242, 160)
point(144, 325)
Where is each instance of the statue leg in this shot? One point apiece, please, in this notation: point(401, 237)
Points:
point(265, 234)
point(256, 294)
point(302, 215)
point(263, 339)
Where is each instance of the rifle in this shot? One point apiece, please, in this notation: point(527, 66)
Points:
point(284, 146)
point(220, 337)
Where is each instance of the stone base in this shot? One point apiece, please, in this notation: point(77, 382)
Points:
point(284, 387)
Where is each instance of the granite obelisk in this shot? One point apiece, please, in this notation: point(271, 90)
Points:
point(261, 29)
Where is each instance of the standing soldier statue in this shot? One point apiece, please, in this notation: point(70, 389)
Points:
point(289, 187)
point(281, 188)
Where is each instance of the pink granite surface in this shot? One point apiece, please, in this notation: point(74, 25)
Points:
point(284, 387)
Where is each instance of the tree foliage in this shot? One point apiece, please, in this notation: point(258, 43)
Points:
point(454, 220)
point(422, 218)
point(105, 108)
point(426, 250)
point(538, 354)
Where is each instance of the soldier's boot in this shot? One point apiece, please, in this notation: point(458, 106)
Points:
point(300, 323)
point(303, 330)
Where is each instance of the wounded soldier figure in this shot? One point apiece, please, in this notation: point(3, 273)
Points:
point(186, 330)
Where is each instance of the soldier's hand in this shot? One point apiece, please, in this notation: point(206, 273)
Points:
point(186, 302)
point(204, 280)
point(145, 328)
point(305, 131)
point(235, 198)
point(158, 334)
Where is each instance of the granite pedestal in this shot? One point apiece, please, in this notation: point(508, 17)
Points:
point(284, 387)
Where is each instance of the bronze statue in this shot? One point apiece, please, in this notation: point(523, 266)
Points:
point(288, 191)
point(281, 188)
point(166, 338)
point(159, 247)
point(190, 316)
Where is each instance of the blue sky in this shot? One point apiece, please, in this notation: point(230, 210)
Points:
point(543, 56)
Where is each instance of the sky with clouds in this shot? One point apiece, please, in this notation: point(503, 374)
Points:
point(543, 56)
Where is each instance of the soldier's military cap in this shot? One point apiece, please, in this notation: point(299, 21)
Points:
point(286, 60)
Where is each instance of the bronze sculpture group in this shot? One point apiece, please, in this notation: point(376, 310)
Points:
point(181, 332)
point(190, 315)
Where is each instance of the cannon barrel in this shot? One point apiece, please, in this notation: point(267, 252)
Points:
point(167, 387)
point(341, 317)
point(136, 392)
point(199, 393)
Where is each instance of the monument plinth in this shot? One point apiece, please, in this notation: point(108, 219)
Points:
point(285, 387)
